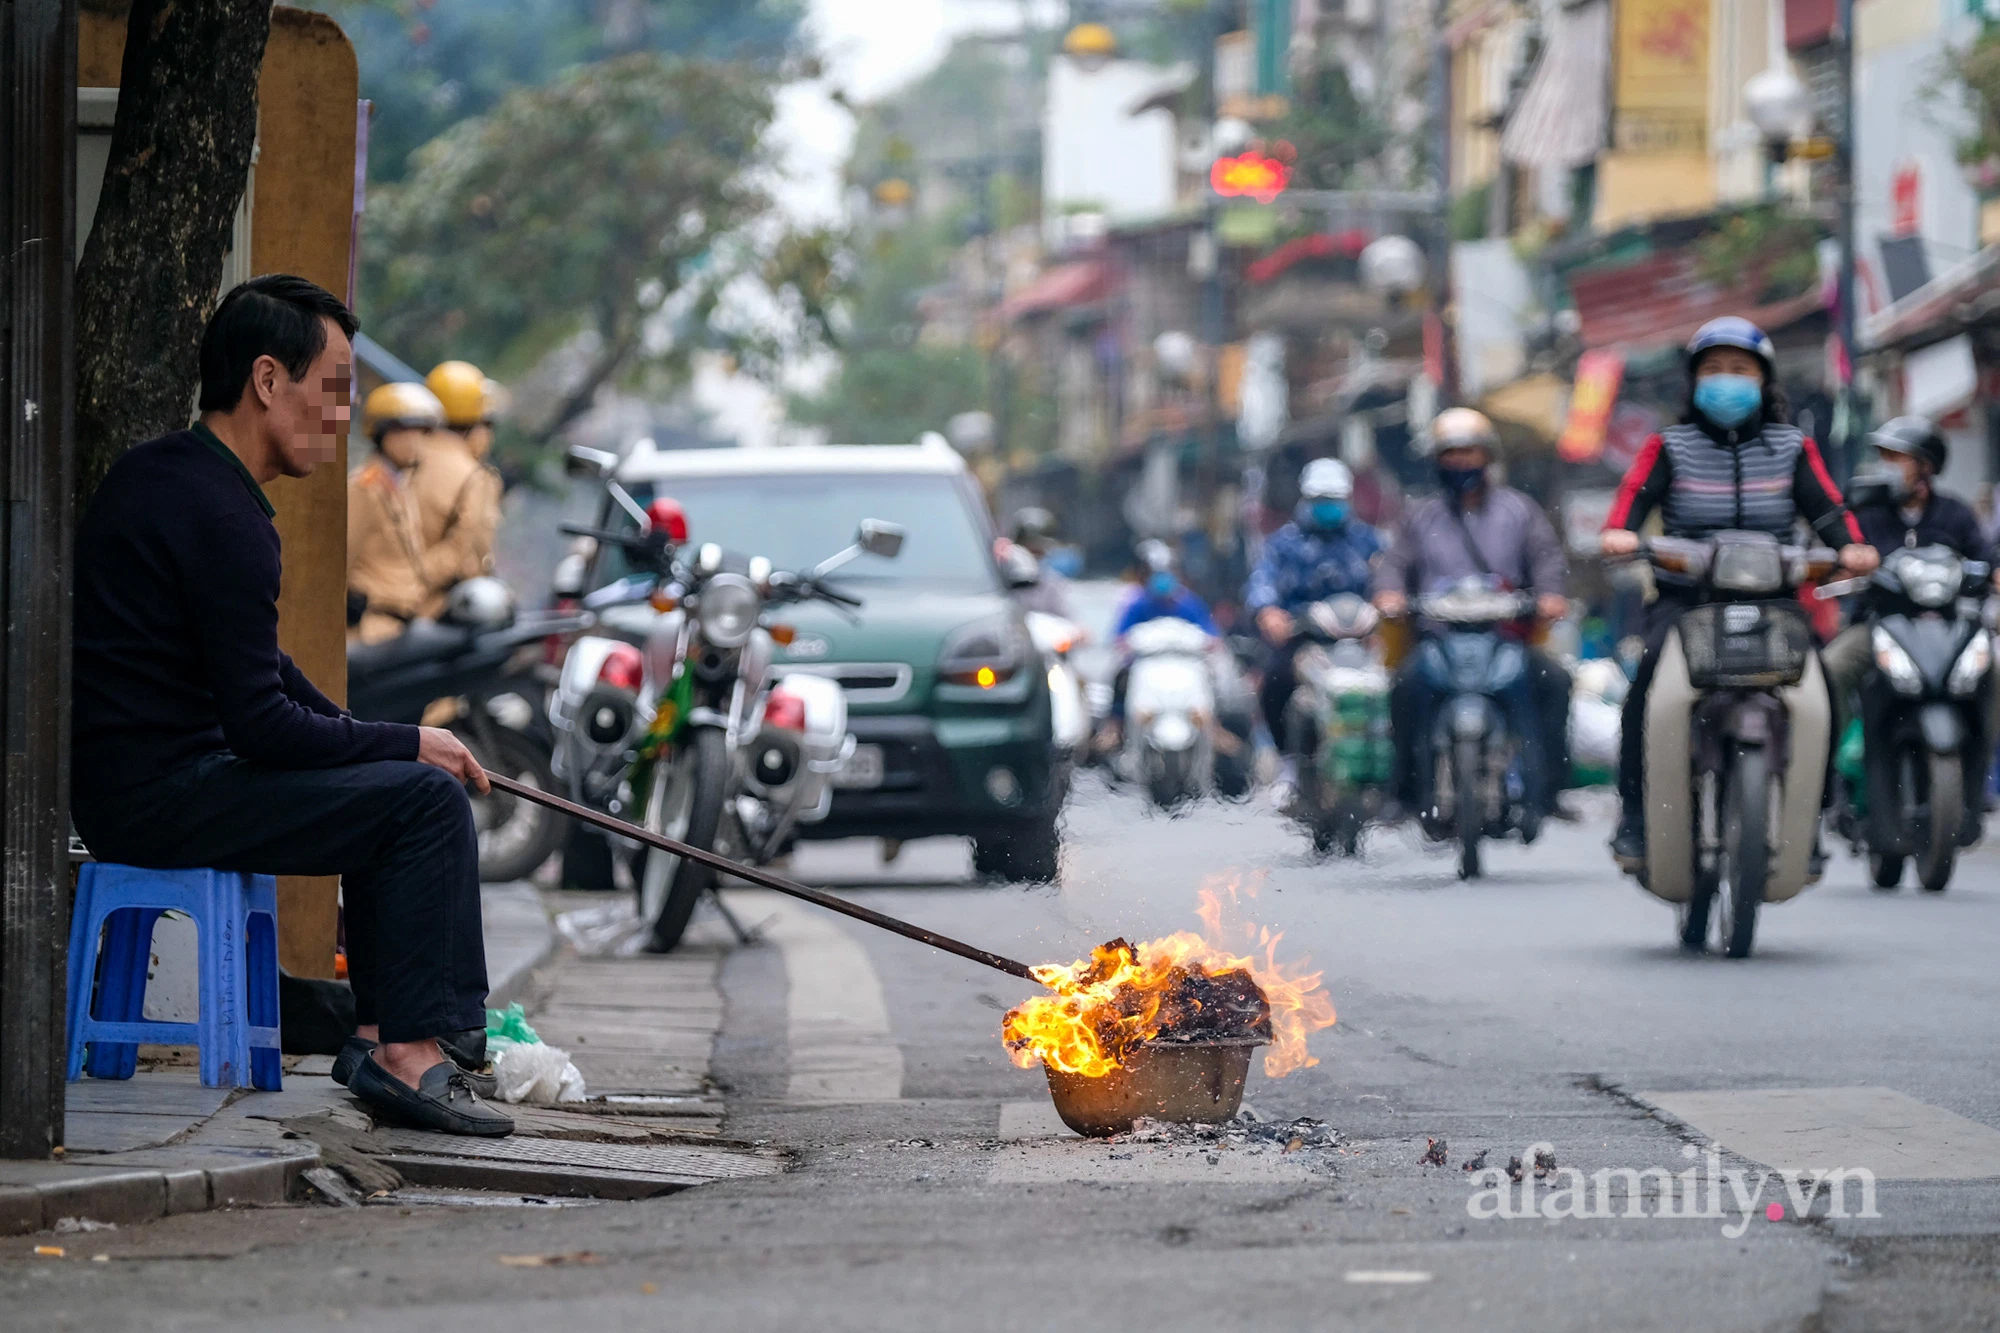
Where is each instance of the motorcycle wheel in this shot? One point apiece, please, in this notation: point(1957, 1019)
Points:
point(1746, 850)
point(1886, 870)
point(515, 836)
point(685, 802)
point(1947, 818)
point(1471, 817)
point(1027, 853)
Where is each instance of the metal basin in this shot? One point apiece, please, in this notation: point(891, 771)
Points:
point(1187, 1083)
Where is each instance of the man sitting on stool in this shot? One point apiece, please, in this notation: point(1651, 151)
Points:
point(197, 743)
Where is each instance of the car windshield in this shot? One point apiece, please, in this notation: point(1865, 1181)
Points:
point(797, 520)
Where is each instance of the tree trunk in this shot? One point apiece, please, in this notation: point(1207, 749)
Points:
point(610, 361)
point(187, 121)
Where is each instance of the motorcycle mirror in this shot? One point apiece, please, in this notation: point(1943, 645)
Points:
point(582, 461)
point(1020, 567)
point(881, 538)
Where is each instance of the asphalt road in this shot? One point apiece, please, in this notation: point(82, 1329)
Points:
point(1546, 1004)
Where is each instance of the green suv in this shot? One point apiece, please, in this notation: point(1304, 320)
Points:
point(948, 699)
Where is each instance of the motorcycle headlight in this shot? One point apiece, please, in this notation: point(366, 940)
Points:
point(1969, 672)
point(1894, 662)
point(729, 607)
point(1748, 567)
point(983, 654)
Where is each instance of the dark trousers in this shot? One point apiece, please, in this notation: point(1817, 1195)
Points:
point(400, 835)
point(1545, 719)
point(1660, 617)
point(1274, 695)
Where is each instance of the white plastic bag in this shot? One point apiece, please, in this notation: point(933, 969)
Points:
point(537, 1074)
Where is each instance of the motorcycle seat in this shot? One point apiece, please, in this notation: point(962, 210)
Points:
point(424, 640)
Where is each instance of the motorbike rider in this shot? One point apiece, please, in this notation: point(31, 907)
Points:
point(385, 552)
point(1900, 505)
point(1162, 595)
point(1474, 529)
point(1323, 552)
point(458, 494)
point(1735, 462)
point(1034, 530)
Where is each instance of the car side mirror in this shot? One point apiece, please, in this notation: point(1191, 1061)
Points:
point(582, 461)
point(881, 538)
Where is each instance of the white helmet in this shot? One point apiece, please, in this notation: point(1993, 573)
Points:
point(1327, 479)
point(480, 603)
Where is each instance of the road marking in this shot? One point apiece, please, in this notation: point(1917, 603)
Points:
point(1806, 1129)
point(842, 1048)
point(1387, 1277)
point(1032, 1120)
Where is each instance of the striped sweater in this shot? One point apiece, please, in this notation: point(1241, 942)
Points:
point(1704, 483)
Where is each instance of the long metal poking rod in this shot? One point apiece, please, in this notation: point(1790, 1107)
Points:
point(764, 878)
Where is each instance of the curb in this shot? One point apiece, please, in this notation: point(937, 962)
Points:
point(141, 1186)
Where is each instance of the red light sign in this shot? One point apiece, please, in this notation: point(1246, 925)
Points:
point(1250, 174)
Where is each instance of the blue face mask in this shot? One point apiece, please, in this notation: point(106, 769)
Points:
point(1329, 514)
point(1162, 585)
point(1728, 400)
point(1459, 482)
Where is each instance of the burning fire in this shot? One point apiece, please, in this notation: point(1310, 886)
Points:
point(1181, 984)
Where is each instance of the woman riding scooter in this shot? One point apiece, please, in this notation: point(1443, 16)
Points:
point(1734, 463)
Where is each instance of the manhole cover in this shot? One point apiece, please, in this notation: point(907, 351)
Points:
point(559, 1166)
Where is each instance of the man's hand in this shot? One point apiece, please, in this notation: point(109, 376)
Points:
point(440, 749)
point(1391, 604)
point(1619, 541)
point(1274, 625)
point(1859, 559)
point(1551, 606)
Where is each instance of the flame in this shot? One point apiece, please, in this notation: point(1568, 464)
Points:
point(1106, 1005)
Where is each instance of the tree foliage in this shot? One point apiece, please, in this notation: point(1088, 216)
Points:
point(620, 201)
point(429, 64)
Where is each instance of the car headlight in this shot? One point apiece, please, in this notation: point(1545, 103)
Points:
point(1894, 662)
point(983, 654)
point(729, 607)
point(1973, 663)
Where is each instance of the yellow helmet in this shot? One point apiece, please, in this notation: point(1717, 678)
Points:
point(401, 406)
point(462, 390)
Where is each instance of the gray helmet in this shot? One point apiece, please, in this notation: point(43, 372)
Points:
point(1034, 526)
point(1914, 436)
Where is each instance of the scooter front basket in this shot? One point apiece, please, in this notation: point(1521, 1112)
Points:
point(1746, 645)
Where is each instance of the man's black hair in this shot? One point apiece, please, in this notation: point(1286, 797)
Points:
point(276, 315)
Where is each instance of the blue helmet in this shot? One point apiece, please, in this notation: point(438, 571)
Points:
point(1732, 331)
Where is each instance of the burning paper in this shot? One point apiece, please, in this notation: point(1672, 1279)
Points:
point(1181, 987)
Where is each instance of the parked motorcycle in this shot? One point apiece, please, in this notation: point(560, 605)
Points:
point(721, 754)
point(488, 659)
point(1736, 736)
point(1338, 724)
point(1920, 792)
point(1479, 752)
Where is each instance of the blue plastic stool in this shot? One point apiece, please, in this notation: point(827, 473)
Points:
point(236, 922)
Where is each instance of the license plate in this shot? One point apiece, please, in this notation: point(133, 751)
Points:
point(863, 768)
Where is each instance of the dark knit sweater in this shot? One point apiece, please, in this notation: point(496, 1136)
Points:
point(176, 632)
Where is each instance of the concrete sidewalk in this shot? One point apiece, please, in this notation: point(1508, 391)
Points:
point(159, 1143)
